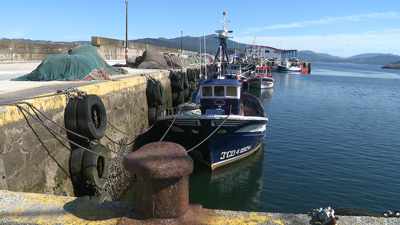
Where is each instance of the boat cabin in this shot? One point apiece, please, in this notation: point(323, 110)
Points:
point(220, 97)
point(234, 69)
point(263, 70)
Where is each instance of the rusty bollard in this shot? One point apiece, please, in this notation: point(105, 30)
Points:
point(162, 170)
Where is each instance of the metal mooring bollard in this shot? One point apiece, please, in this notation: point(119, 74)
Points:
point(162, 170)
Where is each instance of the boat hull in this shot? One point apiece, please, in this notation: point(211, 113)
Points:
point(234, 139)
point(261, 82)
point(284, 69)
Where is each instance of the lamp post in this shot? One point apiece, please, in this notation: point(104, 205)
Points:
point(126, 37)
point(181, 42)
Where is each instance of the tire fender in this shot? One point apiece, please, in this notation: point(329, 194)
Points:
point(75, 165)
point(152, 114)
point(91, 117)
point(158, 93)
point(149, 92)
point(70, 121)
point(102, 196)
point(96, 168)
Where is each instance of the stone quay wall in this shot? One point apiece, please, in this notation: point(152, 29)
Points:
point(30, 51)
point(35, 160)
point(109, 49)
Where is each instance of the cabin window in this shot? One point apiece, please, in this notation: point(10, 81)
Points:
point(219, 91)
point(231, 91)
point(207, 91)
point(266, 51)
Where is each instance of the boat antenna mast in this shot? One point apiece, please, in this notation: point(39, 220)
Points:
point(222, 37)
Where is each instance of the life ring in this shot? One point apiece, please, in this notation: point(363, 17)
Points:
point(70, 121)
point(91, 117)
point(75, 165)
point(96, 168)
point(151, 115)
point(149, 91)
point(158, 93)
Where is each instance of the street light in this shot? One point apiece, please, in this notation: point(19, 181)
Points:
point(126, 37)
point(181, 42)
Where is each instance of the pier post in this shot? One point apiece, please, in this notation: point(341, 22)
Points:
point(162, 170)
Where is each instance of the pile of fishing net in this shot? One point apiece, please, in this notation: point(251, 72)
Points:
point(84, 63)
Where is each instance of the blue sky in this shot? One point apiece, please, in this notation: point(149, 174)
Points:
point(340, 28)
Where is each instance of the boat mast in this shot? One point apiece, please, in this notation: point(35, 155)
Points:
point(222, 36)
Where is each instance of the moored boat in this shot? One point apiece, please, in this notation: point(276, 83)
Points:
point(288, 67)
point(221, 125)
point(261, 78)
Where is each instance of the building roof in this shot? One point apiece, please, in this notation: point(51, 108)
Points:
point(260, 46)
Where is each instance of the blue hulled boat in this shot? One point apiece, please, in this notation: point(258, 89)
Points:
point(221, 125)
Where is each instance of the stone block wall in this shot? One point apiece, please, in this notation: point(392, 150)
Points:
point(35, 160)
point(109, 49)
point(29, 51)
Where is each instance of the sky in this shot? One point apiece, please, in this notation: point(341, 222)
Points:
point(339, 28)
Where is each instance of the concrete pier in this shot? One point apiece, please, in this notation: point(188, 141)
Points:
point(30, 208)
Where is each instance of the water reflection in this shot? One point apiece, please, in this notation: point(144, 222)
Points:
point(237, 186)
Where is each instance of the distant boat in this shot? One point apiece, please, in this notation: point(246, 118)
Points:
point(288, 67)
point(262, 78)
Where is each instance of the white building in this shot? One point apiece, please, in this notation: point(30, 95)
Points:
point(257, 51)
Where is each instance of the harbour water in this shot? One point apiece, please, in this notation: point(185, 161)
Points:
point(332, 140)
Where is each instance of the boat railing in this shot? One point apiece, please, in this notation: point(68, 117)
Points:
point(253, 102)
point(186, 108)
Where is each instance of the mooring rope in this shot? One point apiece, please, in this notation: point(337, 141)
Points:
point(133, 134)
point(209, 135)
point(55, 132)
point(169, 127)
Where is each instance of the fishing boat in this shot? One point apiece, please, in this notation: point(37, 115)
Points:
point(287, 67)
point(221, 124)
point(261, 78)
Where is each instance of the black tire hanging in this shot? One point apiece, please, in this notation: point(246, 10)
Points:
point(179, 99)
point(96, 168)
point(185, 81)
point(193, 86)
point(102, 196)
point(71, 121)
point(152, 115)
point(75, 165)
point(160, 111)
point(91, 117)
point(158, 93)
point(149, 92)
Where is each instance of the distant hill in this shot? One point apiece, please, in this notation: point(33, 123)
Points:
point(365, 55)
point(44, 41)
point(368, 58)
point(193, 43)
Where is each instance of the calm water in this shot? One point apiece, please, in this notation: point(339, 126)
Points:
point(333, 139)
